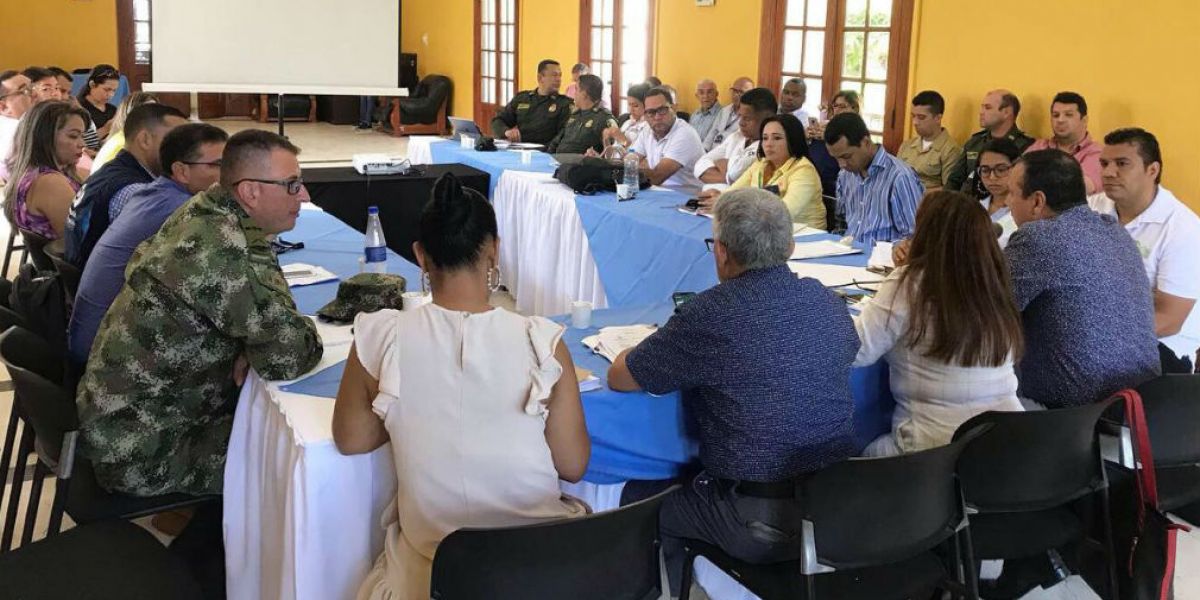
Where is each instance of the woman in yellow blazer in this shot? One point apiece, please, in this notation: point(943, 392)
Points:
point(783, 164)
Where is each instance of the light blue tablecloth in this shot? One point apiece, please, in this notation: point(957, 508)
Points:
point(494, 163)
point(336, 246)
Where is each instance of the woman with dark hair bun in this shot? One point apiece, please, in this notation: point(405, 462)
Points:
point(784, 167)
point(948, 325)
point(481, 405)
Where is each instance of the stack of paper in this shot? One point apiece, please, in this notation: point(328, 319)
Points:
point(881, 256)
point(611, 341)
point(837, 275)
point(298, 274)
point(821, 249)
point(799, 229)
point(587, 381)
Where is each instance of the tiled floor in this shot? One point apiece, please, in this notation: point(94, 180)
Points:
point(322, 143)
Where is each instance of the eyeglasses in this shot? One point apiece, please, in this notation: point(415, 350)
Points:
point(658, 112)
point(840, 106)
point(293, 185)
point(23, 91)
point(217, 164)
point(709, 243)
point(997, 171)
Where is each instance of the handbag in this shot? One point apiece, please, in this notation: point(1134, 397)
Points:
point(1145, 536)
point(593, 175)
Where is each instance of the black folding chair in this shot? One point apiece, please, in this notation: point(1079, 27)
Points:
point(1031, 481)
point(114, 559)
point(52, 429)
point(35, 247)
point(13, 246)
point(69, 274)
point(873, 528)
point(611, 555)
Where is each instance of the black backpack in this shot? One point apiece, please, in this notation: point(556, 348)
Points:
point(38, 297)
point(593, 175)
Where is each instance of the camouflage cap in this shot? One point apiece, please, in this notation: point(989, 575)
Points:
point(365, 292)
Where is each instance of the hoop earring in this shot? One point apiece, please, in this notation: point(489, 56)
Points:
point(426, 286)
point(493, 279)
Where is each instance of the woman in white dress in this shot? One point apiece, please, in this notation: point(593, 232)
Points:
point(947, 325)
point(481, 405)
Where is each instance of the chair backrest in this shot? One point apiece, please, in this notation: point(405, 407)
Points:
point(70, 274)
point(1032, 460)
point(36, 245)
point(874, 511)
point(1172, 406)
point(611, 555)
point(35, 370)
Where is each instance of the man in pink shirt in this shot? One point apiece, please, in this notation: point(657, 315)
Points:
point(1068, 120)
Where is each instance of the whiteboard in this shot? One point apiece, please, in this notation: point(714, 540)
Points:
point(318, 46)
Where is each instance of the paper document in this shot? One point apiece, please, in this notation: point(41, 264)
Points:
point(821, 249)
point(298, 274)
point(695, 213)
point(587, 381)
point(611, 341)
point(837, 275)
point(881, 256)
point(799, 229)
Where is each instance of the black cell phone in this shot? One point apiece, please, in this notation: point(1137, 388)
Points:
point(681, 297)
point(774, 189)
point(692, 204)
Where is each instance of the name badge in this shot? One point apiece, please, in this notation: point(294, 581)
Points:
point(523, 106)
point(588, 124)
point(553, 107)
point(972, 156)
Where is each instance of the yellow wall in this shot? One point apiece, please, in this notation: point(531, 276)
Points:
point(1131, 61)
point(548, 29)
point(718, 42)
point(440, 33)
point(66, 33)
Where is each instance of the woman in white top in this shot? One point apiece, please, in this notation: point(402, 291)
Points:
point(636, 124)
point(995, 161)
point(947, 325)
point(481, 405)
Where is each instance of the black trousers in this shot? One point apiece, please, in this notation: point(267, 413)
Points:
point(752, 529)
point(202, 546)
point(1172, 363)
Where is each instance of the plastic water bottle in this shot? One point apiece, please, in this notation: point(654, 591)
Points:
point(375, 247)
point(631, 174)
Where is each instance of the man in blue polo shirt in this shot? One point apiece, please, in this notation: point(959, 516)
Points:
point(191, 161)
point(763, 361)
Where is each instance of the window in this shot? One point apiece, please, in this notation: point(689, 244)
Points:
point(496, 56)
point(615, 42)
point(141, 32)
point(859, 45)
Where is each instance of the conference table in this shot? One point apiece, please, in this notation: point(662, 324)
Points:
point(302, 520)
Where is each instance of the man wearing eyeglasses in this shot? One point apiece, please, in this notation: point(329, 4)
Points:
point(204, 301)
point(110, 187)
point(14, 102)
point(669, 156)
point(727, 119)
point(43, 86)
point(191, 159)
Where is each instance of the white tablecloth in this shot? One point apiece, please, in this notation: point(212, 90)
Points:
point(545, 259)
point(418, 149)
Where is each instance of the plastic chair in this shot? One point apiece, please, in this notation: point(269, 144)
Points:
point(13, 246)
point(35, 246)
point(873, 528)
point(1028, 478)
point(52, 428)
point(1172, 407)
point(105, 560)
point(70, 274)
point(611, 555)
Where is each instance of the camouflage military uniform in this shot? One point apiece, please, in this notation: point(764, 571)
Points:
point(584, 129)
point(539, 117)
point(156, 403)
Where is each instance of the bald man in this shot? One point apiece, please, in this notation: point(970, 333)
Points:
point(726, 123)
point(706, 116)
point(998, 118)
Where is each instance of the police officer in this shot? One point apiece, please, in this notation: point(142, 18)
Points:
point(998, 118)
point(585, 127)
point(535, 116)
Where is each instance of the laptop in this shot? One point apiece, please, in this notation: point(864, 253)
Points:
point(464, 126)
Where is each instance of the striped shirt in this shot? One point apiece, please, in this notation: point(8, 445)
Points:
point(882, 207)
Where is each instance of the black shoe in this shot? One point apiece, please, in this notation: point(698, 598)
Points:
point(363, 126)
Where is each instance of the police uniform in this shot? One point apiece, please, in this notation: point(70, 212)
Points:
point(584, 129)
point(964, 178)
point(539, 117)
point(156, 402)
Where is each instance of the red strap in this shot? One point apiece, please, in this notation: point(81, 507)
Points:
point(1135, 417)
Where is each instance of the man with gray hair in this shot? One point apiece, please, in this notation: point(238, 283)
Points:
point(763, 363)
point(706, 113)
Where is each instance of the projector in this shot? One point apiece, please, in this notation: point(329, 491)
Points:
point(379, 164)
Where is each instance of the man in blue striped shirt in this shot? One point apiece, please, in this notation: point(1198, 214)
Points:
point(877, 193)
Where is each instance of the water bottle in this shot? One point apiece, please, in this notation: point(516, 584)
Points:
point(374, 247)
point(631, 175)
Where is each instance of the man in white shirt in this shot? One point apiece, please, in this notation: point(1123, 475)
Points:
point(669, 156)
point(722, 165)
point(792, 98)
point(15, 100)
point(1167, 234)
point(727, 119)
point(706, 115)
